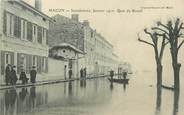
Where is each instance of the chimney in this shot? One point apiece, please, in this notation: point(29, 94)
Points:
point(75, 17)
point(38, 5)
point(86, 23)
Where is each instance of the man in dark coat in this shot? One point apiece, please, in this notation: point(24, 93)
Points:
point(85, 72)
point(13, 76)
point(81, 73)
point(70, 73)
point(33, 74)
point(7, 74)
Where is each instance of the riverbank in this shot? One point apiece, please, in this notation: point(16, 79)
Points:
point(38, 83)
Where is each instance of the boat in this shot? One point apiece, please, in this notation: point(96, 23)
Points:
point(119, 80)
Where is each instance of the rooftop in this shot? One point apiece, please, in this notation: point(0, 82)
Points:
point(30, 8)
point(66, 45)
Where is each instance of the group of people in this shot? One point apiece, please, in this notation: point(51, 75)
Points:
point(124, 74)
point(11, 76)
point(83, 72)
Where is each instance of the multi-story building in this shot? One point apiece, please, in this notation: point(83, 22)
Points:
point(98, 52)
point(105, 59)
point(23, 36)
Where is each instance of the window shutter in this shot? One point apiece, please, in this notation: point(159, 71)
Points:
point(29, 31)
point(18, 63)
point(5, 22)
point(42, 63)
point(30, 62)
point(39, 64)
point(47, 37)
point(12, 58)
point(27, 63)
point(46, 68)
point(2, 63)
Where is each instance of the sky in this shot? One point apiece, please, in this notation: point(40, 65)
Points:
point(121, 29)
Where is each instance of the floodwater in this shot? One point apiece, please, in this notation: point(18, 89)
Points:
point(94, 97)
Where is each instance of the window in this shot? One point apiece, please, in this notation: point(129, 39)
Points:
point(7, 58)
point(39, 32)
point(24, 23)
point(35, 32)
point(29, 31)
point(43, 64)
point(9, 24)
point(17, 27)
point(34, 61)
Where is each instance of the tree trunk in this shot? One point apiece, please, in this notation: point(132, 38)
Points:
point(176, 102)
point(176, 69)
point(159, 75)
point(159, 99)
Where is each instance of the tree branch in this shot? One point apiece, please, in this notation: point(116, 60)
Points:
point(180, 44)
point(160, 24)
point(149, 33)
point(145, 42)
point(156, 28)
point(166, 43)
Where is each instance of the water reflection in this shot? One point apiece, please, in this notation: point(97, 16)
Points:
point(111, 86)
point(70, 92)
point(32, 97)
point(124, 86)
point(10, 99)
point(158, 100)
point(83, 83)
point(176, 104)
point(89, 97)
point(23, 93)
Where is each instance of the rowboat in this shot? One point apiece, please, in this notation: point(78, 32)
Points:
point(119, 80)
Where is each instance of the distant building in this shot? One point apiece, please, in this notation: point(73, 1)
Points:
point(23, 36)
point(97, 54)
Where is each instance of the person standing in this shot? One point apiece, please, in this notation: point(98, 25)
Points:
point(70, 73)
point(111, 74)
point(65, 71)
point(7, 74)
point(13, 76)
point(124, 75)
point(33, 74)
point(23, 77)
point(81, 73)
point(85, 72)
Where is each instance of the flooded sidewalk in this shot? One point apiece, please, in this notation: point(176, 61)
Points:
point(44, 82)
point(93, 97)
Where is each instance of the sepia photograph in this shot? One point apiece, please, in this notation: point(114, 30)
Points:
point(91, 57)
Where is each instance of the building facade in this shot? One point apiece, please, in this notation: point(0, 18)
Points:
point(23, 40)
point(98, 55)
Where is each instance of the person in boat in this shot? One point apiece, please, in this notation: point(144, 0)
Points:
point(124, 75)
point(111, 74)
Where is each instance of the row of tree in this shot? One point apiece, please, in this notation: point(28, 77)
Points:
point(169, 33)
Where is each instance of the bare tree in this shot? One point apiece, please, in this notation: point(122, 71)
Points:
point(172, 30)
point(158, 51)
